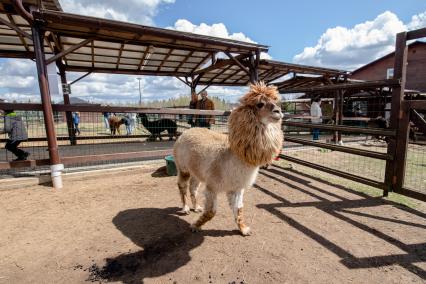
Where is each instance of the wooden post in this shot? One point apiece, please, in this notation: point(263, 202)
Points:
point(399, 120)
point(55, 162)
point(341, 101)
point(336, 115)
point(254, 75)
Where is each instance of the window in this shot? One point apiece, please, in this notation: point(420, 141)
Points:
point(389, 73)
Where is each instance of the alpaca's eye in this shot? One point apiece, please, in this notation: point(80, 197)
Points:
point(260, 105)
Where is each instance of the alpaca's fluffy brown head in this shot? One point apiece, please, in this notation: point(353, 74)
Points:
point(255, 134)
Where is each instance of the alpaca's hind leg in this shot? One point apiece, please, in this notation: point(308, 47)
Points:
point(210, 208)
point(193, 189)
point(235, 200)
point(183, 190)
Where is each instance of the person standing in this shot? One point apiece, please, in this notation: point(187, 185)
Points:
point(192, 105)
point(204, 104)
point(316, 114)
point(14, 126)
point(106, 120)
point(76, 121)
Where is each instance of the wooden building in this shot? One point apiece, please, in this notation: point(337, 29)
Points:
point(382, 68)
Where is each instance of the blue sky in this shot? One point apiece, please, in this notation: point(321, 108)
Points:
point(286, 26)
point(329, 33)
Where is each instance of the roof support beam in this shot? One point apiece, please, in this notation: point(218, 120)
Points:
point(69, 50)
point(81, 77)
point(238, 63)
point(16, 29)
point(180, 79)
point(119, 55)
point(145, 56)
point(220, 64)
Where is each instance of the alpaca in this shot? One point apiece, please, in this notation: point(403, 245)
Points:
point(231, 163)
point(158, 126)
point(114, 124)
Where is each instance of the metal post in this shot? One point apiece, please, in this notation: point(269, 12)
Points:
point(68, 114)
point(140, 93)
point(399, 120)
point(254, 76)
point(55, 162)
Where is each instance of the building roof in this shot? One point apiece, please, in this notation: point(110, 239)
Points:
point(411, 45)
point(89, 44)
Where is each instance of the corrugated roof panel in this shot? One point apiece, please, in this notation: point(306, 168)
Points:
point(105, 59)
point(176, 58)
point(134, 47)
point(104, 51)
point(161, 50)
point(180, 52)
point(104, 65)
point(128, 67)
point(79, 63)
point(10, 40)
point(157, 56)
point(149, 68)
point(85, 50)
point(12, 47)
point(19, 20)
point(171, 64)
point(79, 57)
point(107, 44)
point(131, 54)
point(167, 69)
point(130, 61)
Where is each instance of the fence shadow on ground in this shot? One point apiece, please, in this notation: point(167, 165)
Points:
point(165, 239)
point(413, 253)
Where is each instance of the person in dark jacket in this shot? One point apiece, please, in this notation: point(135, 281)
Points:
point(204, 104)
point(15, 128)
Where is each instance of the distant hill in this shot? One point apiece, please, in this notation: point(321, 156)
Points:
point(78, 101)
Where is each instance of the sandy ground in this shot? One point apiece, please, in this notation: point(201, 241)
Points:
point(125, 227)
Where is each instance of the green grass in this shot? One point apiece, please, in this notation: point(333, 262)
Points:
point(362, 188)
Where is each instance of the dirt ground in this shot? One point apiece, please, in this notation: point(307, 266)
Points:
point(125, 227)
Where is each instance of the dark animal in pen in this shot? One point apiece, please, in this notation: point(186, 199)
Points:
point(382, 123)
point(157, 126)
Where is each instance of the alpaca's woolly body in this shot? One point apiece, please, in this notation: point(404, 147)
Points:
point(230, 163)
point(157, 126)
point(114, 124)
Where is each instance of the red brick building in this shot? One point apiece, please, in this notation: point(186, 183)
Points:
point(382, 68)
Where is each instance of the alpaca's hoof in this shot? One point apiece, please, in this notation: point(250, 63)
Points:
point(195, 229)
point(245, 231)
point(185, 210)
point(198, 209)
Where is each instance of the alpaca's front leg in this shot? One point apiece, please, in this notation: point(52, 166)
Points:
point(193, 189)
point(183, 189)
point(236, 202)
point(209, 210)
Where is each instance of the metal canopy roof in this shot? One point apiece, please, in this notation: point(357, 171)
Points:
point(88, 44)
point(232, 74)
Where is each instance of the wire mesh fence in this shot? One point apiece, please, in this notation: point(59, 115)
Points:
point(93, 135)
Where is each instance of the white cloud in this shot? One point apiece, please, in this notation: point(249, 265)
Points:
point(216, 30)
point(350, 48)
point(137, 11)
point(417, 21)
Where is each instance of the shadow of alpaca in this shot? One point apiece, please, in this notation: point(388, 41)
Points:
point(165, 239)
point(160, 172)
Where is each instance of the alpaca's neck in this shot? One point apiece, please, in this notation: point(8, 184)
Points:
point(252, 141)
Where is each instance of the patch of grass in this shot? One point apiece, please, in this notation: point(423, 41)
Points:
point(359, 187)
